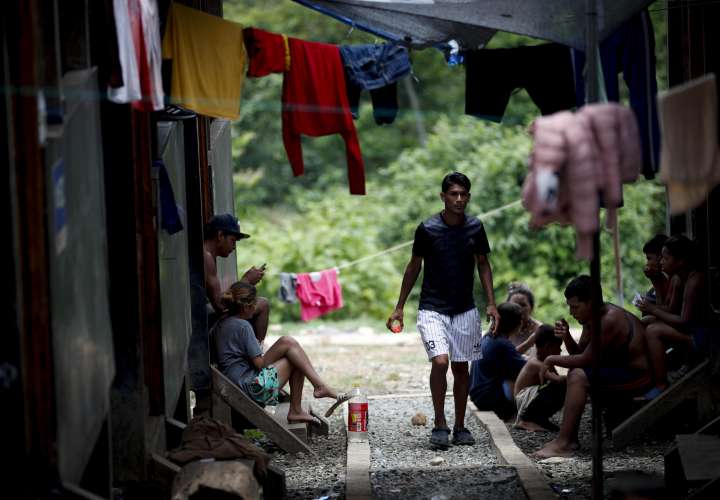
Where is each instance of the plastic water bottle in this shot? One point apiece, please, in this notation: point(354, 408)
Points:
point(358, 416)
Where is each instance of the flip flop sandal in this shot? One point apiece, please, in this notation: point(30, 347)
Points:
point(439, 438)
point(340, 400)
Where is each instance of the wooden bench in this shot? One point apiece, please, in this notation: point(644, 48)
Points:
point(226, 396)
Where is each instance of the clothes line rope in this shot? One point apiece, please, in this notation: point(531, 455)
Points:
point(485, 215)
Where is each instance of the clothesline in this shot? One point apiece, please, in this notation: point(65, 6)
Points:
point(490, 213)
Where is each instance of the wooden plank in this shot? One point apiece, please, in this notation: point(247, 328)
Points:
point(163, 470)
point(251, 411)
point(173, 432)
point(700, 456)
point(300, 430)
point(531, 478)
point(710, 490)
point(321, 429)
point(221, 410)
point(681, 390)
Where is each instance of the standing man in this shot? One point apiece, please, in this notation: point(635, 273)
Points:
point(451, 244)
point(220, 236)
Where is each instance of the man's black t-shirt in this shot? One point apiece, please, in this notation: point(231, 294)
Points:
point(449, 255)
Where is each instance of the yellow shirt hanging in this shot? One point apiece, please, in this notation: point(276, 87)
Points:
point(209, 61)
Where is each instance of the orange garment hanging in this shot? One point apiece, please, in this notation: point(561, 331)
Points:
point(209, 61)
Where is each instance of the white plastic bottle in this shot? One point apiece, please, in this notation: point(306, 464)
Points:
point(358, 416)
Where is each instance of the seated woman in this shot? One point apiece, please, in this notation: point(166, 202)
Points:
point(524, 340)
point(240, 358)
point(688, 326)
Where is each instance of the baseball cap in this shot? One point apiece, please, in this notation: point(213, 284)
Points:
point(227, 223)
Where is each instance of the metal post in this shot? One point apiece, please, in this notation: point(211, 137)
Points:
point(591, 95)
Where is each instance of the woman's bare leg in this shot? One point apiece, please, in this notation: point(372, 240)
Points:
point(286, 373)
point(296, 412)
point(288, 348)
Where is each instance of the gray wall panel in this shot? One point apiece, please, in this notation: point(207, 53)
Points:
point(223, 198)
point(174, 269)
point(82, 336)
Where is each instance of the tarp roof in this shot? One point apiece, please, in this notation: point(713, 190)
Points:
point(423, 23)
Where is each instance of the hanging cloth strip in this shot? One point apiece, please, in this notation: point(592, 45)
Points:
point(630, 50)
point(209, 60)
point(319, 293)
point(137, 27)
point(690, 160)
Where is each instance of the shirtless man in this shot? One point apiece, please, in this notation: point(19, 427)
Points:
point(221, 234)
point(539, 394)
point(624, 366)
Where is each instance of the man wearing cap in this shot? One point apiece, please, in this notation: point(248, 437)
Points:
point(221, 234)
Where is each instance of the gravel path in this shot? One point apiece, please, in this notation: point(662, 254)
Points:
point(571, 478)
point(401, 461)
point(323, 476)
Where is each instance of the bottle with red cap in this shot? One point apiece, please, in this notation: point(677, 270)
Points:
point(358, 415)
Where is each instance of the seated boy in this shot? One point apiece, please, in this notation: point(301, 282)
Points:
point(492, 377)
point(539, 397)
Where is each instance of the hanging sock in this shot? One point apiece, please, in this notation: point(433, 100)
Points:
point(170, 219)
point(209, 60)
point(286, 292)
point(318, 293)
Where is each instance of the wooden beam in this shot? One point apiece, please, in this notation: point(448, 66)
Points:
point(680, 391)
point(531, 479)
point(241, 403)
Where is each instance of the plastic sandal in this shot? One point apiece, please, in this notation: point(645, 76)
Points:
point(340, 400)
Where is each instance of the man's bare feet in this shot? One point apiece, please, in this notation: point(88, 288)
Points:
point(294, 417)
point(323, 391)
point(555, 449)
point(530, 426)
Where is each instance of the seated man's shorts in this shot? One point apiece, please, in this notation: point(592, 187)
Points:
point(459, 335)
point(524, 398)
point(265, 387)
point(537, 403)
point(621, 379)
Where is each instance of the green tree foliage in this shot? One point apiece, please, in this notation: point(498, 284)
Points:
point(329, 228)
point(311, 222)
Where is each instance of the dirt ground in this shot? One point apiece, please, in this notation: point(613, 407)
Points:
point(382, 363)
